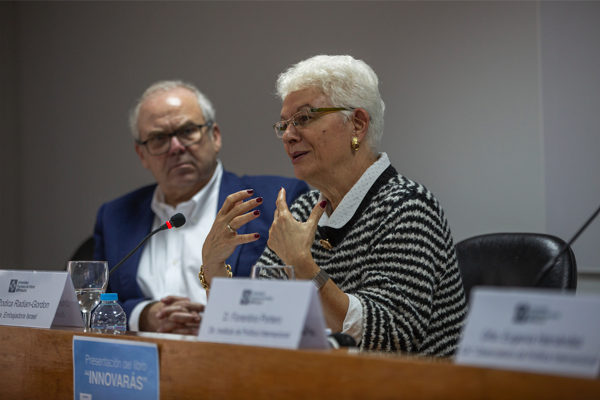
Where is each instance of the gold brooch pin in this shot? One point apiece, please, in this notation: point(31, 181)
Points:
point(325, 243)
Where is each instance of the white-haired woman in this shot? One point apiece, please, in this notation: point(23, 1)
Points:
point(376, 244)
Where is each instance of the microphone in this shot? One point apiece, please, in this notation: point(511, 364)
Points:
point(337, 340)
point(550, 263)
point(176, 221)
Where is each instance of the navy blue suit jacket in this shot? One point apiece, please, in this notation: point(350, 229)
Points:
point(122, 224)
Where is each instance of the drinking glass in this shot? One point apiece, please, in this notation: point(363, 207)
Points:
point(284, 272)
point(90, 279)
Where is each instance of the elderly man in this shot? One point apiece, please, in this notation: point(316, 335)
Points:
point(178, 140)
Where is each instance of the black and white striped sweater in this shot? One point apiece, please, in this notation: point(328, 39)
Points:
point(396, 255)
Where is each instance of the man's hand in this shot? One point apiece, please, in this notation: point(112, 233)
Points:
point(173, 314)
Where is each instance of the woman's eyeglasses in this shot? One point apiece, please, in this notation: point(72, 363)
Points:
point(305, 117)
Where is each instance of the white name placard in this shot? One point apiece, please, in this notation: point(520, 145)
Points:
point(38, 299)
point(269, 313)
point(532, 330)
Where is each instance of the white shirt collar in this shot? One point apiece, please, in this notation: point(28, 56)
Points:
point(349, 204)
point(191, 208)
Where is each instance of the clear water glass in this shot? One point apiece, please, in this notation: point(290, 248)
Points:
point(90, 279)
point(284, 272)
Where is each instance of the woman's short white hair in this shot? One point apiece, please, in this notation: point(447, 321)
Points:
point(345, 81)
point(164, 86)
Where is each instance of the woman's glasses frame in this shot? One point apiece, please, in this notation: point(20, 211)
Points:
point(304, 117)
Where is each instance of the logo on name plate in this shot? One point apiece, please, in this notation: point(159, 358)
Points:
point(527, 314)
point(253, 297)
point(17, 286)
point(246, 297)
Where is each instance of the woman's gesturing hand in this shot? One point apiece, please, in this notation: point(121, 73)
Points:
point(291, 240)
point(223, 238)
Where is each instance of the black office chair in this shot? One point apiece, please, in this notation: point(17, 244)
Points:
point(85, 252)
point(515, 259)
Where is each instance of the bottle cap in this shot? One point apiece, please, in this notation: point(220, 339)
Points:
point(109, 296)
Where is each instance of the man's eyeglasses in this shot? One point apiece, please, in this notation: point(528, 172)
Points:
point(305, 117)
point(188, 135)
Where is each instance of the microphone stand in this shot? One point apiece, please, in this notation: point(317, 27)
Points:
point(176, 221)
point(550, 263)
point(161, 228)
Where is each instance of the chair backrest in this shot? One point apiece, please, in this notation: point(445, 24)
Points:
point(515, 259)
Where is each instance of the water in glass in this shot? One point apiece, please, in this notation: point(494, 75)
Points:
point(88, 299)
point(90, 279)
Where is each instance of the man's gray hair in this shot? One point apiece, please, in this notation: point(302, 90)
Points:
point(164, 86)
point(345, 81)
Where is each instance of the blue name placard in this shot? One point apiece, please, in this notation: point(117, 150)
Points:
point(114, 369)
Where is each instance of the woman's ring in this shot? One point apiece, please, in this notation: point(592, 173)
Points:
point(231, 229)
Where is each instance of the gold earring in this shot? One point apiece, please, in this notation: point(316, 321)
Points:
point(355, 144)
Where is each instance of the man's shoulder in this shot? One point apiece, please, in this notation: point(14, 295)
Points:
point(260, 181)
point(132, 198)
point(271, 179)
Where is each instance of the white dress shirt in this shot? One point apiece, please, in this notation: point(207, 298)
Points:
point(170, 261)
point(353, 325)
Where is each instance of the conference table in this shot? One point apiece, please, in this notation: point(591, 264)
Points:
point(38, 364)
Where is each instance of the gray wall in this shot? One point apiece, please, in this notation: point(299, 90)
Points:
point(461, 81)
point(571, 98)
point(10, 172)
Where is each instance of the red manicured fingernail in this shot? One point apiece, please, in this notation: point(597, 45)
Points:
point(256, 212)
point(250, 191)
point(259, 200)
point(257, 235)
point(323, 204)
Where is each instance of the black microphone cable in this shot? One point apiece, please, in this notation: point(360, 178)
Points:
point(176, 221)
point(550, 263)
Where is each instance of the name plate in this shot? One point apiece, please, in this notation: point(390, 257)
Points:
point(114, 369)
point(38, 299)
point(268, 313)
point(532, 330)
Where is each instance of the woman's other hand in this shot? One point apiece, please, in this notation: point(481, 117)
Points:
point(291, 240)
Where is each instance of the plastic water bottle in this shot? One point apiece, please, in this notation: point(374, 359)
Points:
point(109, 317)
